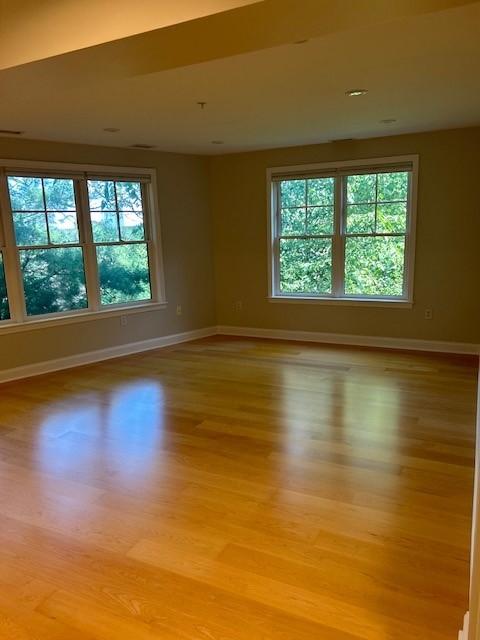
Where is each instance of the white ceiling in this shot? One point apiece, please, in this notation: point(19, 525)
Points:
point(424, 71)
point(36, 29)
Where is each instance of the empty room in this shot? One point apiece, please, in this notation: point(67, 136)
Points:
point(239, 319)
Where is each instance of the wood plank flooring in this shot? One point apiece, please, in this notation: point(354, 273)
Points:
point(234, 489)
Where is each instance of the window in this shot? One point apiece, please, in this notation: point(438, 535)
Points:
point(75, 243)
point(343, 233)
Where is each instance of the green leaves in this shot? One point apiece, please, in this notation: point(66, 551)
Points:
point(374, 266)
point(306, 265)
point(123, 273)
point(53, 280)
point(375, 204)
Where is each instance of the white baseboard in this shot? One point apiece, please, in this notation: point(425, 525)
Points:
point(90, 357)
point(463, 633)
point(355, 340)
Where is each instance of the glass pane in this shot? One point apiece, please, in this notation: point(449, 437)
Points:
point(360, 218)
point(392, 218)
point(306, 265)
point(361, 188)
point(320, 191)
point(293, 222)
point(104, 226)
point(129, 196)
point(131, 225)
point(53, 280)
point(25, 193)
point(30, 229)
point(319, 220)
point(4, 308)
point(374, 266)
point(393, 186)
point(123, 273)
point(292, 193)
point(101, 194)
point(59, 194)
point(63, 227)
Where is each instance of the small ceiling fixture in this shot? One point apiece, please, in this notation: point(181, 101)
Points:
point(356, 92)
point(142, 146)
point(388, 120)
point(111, 129)
point(201, 104)
point(10, 132)
point(217, 141)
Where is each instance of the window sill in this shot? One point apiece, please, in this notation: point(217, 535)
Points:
point(351, 302)
point(82, 316)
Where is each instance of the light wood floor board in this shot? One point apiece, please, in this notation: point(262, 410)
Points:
point(239, 489)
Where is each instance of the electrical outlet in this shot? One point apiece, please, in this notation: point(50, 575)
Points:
point(428, 314)
point(238, 305)
point(123, 321)
point(179, 309)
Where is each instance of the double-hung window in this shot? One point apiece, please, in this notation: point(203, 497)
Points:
point(343, 232)
point(76, 241)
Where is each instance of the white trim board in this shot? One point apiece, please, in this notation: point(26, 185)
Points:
point(90, 357)
point(354, 340)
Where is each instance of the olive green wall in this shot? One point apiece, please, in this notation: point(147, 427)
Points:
point(183, 196)
point(208, 272)
point(447, 266)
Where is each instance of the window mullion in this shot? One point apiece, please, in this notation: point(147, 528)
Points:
point(89, 251)
point(339, 239)
point(11, 257)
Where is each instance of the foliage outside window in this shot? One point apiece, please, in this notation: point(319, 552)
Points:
point(342, 235)
point(74, 244)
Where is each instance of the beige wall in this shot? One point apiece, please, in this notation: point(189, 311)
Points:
point(185, 219)
point(447, 254)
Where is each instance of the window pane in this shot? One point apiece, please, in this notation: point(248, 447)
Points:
point(306, 265)
point(53, 280)
point(30, 228)
point(320, 191)
point(63, 228)
point(392, 218)
point(374, 266)
point(4, 308)
point(123, 273)
point(293, 222)
point(104, 226)
point(360, 218)
point(292, 193)
point(59, 194)
point(393, 186)
point(131, 225)
point(129, 196)
point(319, 220)
point(101, 194)
point(361, 188)
point(26, 194)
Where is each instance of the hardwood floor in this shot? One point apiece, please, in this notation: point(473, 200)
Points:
point(234, 489)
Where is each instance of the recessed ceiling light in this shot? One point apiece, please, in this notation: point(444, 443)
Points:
point(10, 132)
point(388, 120)
point(111, 129)
point(356, 92)
point(217, 141)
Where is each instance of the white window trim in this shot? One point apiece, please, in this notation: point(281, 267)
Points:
point(20, 321)
point(339, 168)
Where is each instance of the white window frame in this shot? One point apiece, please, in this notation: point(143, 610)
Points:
point(19, 321)
point(336, 169)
